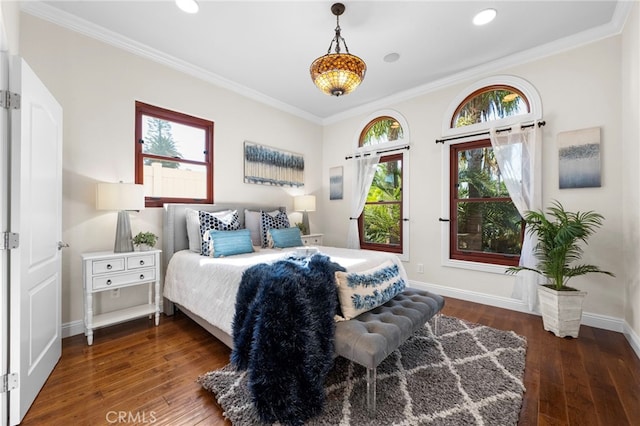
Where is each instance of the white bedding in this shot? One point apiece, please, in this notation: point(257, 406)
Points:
point(207, 286)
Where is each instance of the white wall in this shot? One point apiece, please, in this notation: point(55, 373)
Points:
point(630, 164)
point(579, 88)
point(10, 15)
point(97, 86)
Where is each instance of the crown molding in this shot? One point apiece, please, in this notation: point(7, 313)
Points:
point(82, 26)
point(64, 19)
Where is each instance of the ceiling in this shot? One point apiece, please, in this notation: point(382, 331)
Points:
point(263, 49)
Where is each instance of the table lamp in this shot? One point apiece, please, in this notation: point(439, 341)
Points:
point(304, 204)
point(121, 197)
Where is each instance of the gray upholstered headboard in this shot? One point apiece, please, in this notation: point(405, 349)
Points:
point(174, 224)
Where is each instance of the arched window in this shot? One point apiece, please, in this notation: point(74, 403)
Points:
point(489, 104)
point(484, 224)
point(497, 101)
point(381, 224)
point(381, 130)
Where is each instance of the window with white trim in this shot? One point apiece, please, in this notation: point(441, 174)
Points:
point(382, 225)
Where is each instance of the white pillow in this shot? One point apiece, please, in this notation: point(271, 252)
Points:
point(193, 227)
point(252, 223)
point(359, 292)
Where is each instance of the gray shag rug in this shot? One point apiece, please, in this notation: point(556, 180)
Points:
point(469, 374)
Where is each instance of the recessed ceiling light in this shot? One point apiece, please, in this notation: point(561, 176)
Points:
point(484, 17)
point(391, 57)
point(189, 6)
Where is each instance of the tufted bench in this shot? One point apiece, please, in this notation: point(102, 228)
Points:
point(372, 336)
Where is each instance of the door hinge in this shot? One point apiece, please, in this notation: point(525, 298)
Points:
point(9, 382)
point(10, 240)
point(9, 100)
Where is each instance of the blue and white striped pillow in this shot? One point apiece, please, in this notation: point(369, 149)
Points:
point(359, 292)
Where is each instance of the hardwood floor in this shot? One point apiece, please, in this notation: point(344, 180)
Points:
point(136, 373)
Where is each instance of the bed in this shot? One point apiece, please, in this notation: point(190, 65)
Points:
point(204, 288)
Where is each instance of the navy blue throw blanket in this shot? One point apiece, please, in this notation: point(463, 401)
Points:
point(283, 334)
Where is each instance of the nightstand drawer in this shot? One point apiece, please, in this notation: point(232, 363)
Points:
point(312, 239)
point(122, 279)
point(140, 261)
point(111, 265)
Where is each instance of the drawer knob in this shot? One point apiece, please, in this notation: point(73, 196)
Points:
point(141, 262)
point(108, 282)
point(109, 266)
point(142, 276)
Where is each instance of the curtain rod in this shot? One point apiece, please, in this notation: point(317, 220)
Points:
point(400, 148)
point(506, 129)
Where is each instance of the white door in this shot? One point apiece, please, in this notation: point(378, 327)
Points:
point(35, 211)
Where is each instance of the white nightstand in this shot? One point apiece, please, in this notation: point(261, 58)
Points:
point(312, 240)
point(103, 271)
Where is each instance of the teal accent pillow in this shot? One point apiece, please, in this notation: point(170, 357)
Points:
point(285, 237)
point(228, 243)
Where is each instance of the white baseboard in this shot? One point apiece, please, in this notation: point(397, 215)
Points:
point(72, 328)
point(593, 320)
point(633, 338)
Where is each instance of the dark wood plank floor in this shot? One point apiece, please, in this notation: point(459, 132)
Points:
point(136, 373)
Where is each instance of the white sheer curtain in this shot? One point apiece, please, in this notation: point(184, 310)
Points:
point(518, 154)
point(364, 170)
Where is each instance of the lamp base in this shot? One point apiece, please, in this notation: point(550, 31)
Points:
point(124, 241)
point(305, 222)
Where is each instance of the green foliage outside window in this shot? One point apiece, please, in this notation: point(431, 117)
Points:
point(487, 219)
point(489, 105)
point(382, 211)
point(381, 130)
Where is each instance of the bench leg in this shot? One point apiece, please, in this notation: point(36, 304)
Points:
point(371, 391)
point(436, 325)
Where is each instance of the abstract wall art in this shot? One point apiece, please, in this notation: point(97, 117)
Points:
point(270, 166)
point(335, 183)
point(579, 158)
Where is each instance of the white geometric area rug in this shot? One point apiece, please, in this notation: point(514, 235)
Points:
point(469, 374)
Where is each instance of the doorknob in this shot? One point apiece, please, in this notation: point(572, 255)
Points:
point(62, 244)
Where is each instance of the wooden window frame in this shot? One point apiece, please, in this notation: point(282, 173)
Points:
point(385, 247)
point(177, 117)
point(454, 252)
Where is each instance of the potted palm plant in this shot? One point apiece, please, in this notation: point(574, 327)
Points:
point(560, 234)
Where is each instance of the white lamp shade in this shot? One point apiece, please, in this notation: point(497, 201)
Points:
point(304, 203)
point(119, 196)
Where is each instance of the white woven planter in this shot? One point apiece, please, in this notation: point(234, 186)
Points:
point(561, 311)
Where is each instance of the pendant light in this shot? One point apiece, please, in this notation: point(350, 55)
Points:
point(337, 73)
